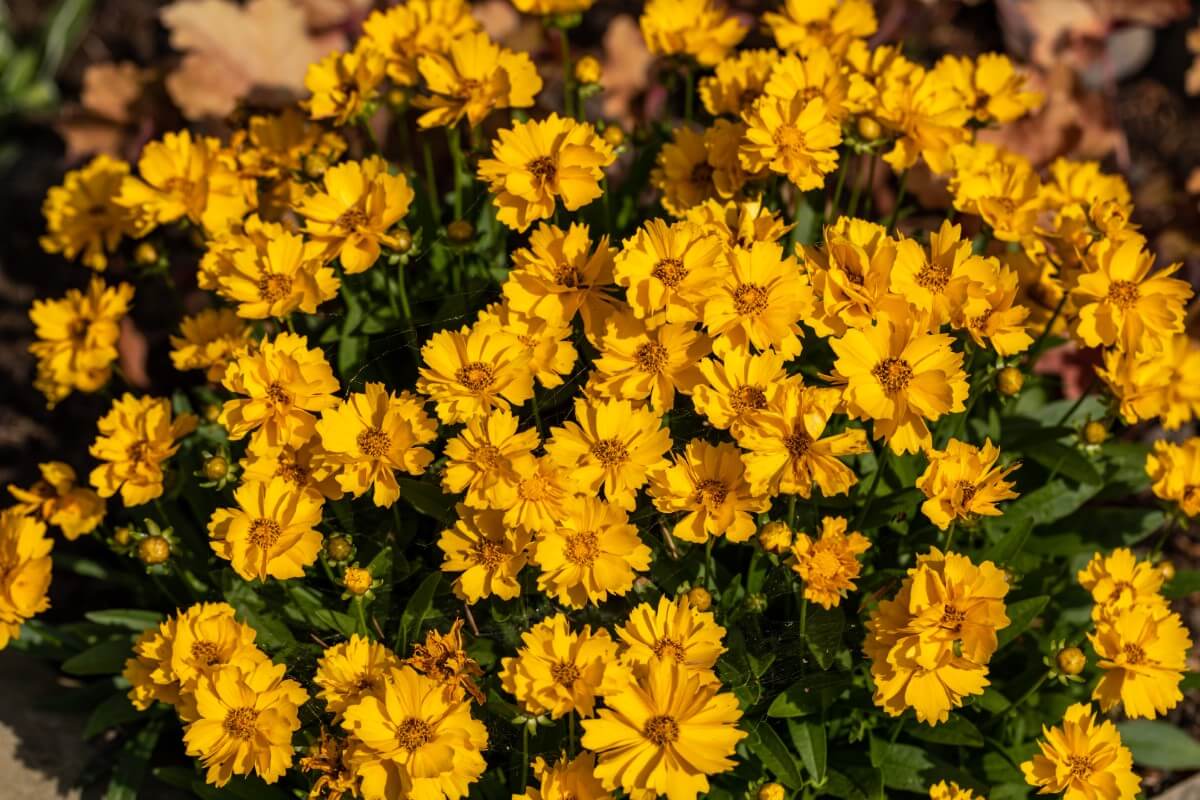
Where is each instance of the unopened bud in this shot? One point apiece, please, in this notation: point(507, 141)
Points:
point(216, 468)
point(775, 537)
point(338, 548)
point(357, 580)
point(700, 598)
point(1070, 661)
point(587, 70)
point(1009, 381)
point(1095, 432)
point(869, 129)
point(460, 231)
point(153, 550)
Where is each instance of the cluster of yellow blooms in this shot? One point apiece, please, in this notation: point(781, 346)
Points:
point(794, 356)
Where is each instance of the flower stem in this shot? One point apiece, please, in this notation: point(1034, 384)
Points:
point(453, 138)
point(525, 754)
point(568, 75)
point(410, 332)
point(431, 182)
point(689, 91)
point(891, 224)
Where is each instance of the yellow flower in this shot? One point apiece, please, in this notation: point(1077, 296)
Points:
point(999, 187)
point(683, 172)
point(612, 445)
point(374, 433)
point(1120, 304)
point(470, 372)
point(667, 270)
point(443, 657)
point(899, 378)
point(328, 756)
point(851, 276)
point(278, 145)
point(792, 137)
point(284, 275)
point(708, 482)
point(77, 338)
point(486, 552)
point(664, 734)
point(559, 275)
point(343, 85)
point(566, 780)
point(808, 25)
point(1000, 93)
point(210, 340)
point(536, 163)
point(481, 459)
point(1143, 652)
point(740, 223)
point(702, 29)
point(760, 300)
point(352, 670)
point(245, 722)
point(963, 482)
point(272, 531)
point(1174, 471)
point(305, 467)
point(473, 78)
point(558, 671)
point(25, 567)
point(737, 81)
point(284, 383)
point(817, 74)
point(134, 439)
point(951, 791)
point(1083, 760)
point(547, 343)
point(591, 552)
point(1120, 583)
point(351, 216)
point(83, 219)
point(181, 177)
point(1149, 385)
point(787, 450)
point(553, 6)
point(415, 741)
point(639, 362)
point(56, 499)
point(829, 565)
point(1003, 323)
point(926, 110)
point(944, 282)
point(673, 631)
point(738, 384)
point(409, 30)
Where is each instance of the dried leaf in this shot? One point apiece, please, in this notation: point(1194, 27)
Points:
point(330, 13)
point(1053, 32)
point(111, 89)
point(627, 63)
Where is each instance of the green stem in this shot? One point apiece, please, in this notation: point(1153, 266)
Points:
point(881, 462)
point(571, 734)
point(525, 754)
point(365, 124)
point(689, 91)
point(431, 182)
point(537, 414)
point(406, 320)
point(950, 534)
point(1028, 693)
point(891, 224)
point(568, 75)
point(792, 512)
point(1035, 352)
point(361, 613)
point(843, 170)
point(1075, 406)
point(453, 138)
point(710, 569)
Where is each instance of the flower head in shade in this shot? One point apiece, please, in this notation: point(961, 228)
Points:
point(210, 340)
point(83, 219)
point(1174, 471)
point(57, 499)
point(133, 443)
point(25, 579)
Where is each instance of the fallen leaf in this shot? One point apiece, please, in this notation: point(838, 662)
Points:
point(133, 349)
point(1074, 32)
point(111, 89)
point(109, 112)
point(627, 63)
point(330, 13)
point(1192, 79)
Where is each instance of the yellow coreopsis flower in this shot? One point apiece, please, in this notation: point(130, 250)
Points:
point(77, 338)
point(305, 467)
point(951, 791)
point(1149, 384)
point(1174, 471)
point(352, 670)
point(25, 567)
point(1120, 304)
point(590, 553)
point(135, 438)
point(210, 340)
point(542, 488)
point(829, 565)
point(738, 384)
point(1002, 325)
point(808, 25)
point(351, 214)
point(538, 162)
point(851, 276)
point(671, 719)
point(481, 460)
point(737, 81)
point(443, 657)
point(1000, 91)
point(926, 110)
point(573, 779)
point(760, 300)
point(963, 482)
point(470, 372)
point(374, 433)
point(56, 499)
point(473, 78)
point(899, 378)
point(343, 85)
point(708, 483)
point(792, 137)
point(547, 343)
point(283, 275)
point(246, 718)
point(486, 552)
point(999, 187)
point(739, 223)
point(415, 740)
point(272, 532)
point(278, 145)
point(639, 362)
point(284, 384)
point(1143, 652)
point(1083, 760)
point(816, 74)
point(610, 444)
point(787, 451)
point(1120, 583)
point(945, 281)
point(558, 671)
point(702, 29)
point(564, 7)
point(683, 172)
point(184, 177)
point(83, 219)
point(673, 631)
point(406, 31)
point(667, 270)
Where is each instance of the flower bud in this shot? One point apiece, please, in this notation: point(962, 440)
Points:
point(460, 231)
point(1070, 661)
point(212, 412)
point(1095, 432)
point(771, 791)
point(614, 135)
point(216, 468)
point(404, 240)
point(338, 548)
point(145, 254)
point(775, 537)
point(122, 536)
point(153, 550)
point(357, 580)
point(1009, 381)
point(700, 598)
point(1167, 569)
point(869, 129)
point(756, 603)
point(587, 70)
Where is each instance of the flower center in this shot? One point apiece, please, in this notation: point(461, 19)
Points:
point(1081, 766)
point(790, 140)
point(206, 653)
point(749, 299)
point(488, 553)
point(351, 219)
point(933, 277)
point(980, 323)
point(273, 287)
point(893, 374)
point(747, 398)
point(662, 730)
point(582, 549)
point(532, 490)
point(670, 271)
point(487, 456)
point(568, 276)
point(711, 492)
point(543, 168)
point(564, 673)
point(413, 733)
point(292, 472)
point(239, 722)
point(610, 453)
point(953, 619)
point(475, 376)
point(138, 452)
point(797, 443)
point(1134, 654)
point(701, 174)
point(374, 443)
point(276, 394)
point(651, 357)
point(1123, 294)
point(967, 489)
point(666, 647)
point(264, 533)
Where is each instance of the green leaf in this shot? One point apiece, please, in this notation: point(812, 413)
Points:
point(903, 766)
point(1049, 503)
point(956, 730)
point(823, 633)
point(1011, 544)
point(127, 777)
point(1160, 745)
point(429, 500)
point(105, 658)
point(1097, 527)
point(418, 609)
point(809, 738)
point(1021, 615)
point(132, 618)
point(179, 777)
point(113, 711)
point(1063, 460)
point(1185, 582)
point(241, 787)
point(765, 743)
point(854, 783)
point(804, 696)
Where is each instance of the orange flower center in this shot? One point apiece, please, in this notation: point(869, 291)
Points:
point(953, 619)
point(967, 489)
point(264, 533)
point(488, 553)
point(749, 299)
point(1123, 294)
point(276, 393)
point(790, 140)
point(475, 376)
point(568, 276)
point(662, 730)
point(797, 443)
point(933, 277)
point(1134, 654)
point(532, 490)
point(487, 456)
point(701, 174)
point(564, 673)
point(138, 452)
point(373, 443)
point(666, 647)
point(413, 733)
point(351, 219)
point(610, 453)
point(893, 374)
point(711, 492)
point(747, 398)
point(651, 357)
point(1081, 766)
point(206, 653)
point(292, 472)
point(582, 549)
point(239, 723)
point(543, 168)
point(670, 271)
point(273, 287)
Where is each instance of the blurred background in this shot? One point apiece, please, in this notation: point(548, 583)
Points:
point(81, 77)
